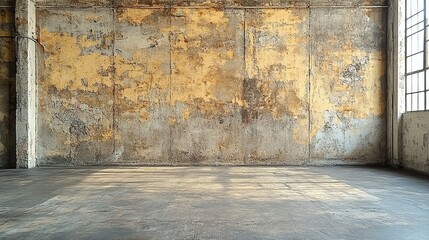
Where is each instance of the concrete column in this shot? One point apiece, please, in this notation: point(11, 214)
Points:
point(25, 15)
point(396, 80)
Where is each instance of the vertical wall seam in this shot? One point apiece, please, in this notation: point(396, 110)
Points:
point(170, 38)
point(115, 128)
point(69, 95)
point(309, 81)
point(244, 75)
point(36, 83)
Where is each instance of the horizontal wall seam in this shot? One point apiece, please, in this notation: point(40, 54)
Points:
point(208, 7)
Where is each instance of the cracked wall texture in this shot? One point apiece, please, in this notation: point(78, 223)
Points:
point(210, 82)
point(7, 83)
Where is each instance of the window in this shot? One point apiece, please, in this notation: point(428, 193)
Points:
point(417, 56)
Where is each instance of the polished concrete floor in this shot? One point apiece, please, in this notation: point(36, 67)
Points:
point(213, 203)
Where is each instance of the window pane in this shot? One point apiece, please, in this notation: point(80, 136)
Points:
point(427, 100)
point(409, 79)
point(409, 103)
point(414, 83)
point(421, 101)
point(408, 13)
point(414, 102)
point(415, 23)
point(421, 82)
point(415, 63)
point(417, 83)
point(415, 43)
point(416, 6)
point(427, 80)
point(414, 28)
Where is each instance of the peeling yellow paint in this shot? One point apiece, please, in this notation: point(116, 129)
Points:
point(69, 67)
point(285, 63)
point(134, 16)
point(277, 55)
point(144, 116)
point(93, 18)
point(200, 66)
point(201, 22)
point(186, 114)
point(250, 71)
point(131, 94)
point(142, 60)
point(141, 81)
point(358, 99)
point(75, 85)
point(107, 134)
point(85, 42)
point(171, 121)
point(274, 21)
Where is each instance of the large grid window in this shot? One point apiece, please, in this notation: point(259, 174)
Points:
point(417, 57)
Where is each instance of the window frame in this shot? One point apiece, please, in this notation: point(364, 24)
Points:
point(410, 82)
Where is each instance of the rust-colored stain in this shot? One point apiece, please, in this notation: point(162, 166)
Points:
point(208, 85)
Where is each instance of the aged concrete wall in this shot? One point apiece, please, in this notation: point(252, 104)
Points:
point(415, 141)
point(75, 86)
point(211, 82)
point(348, 84)
point(7, 82)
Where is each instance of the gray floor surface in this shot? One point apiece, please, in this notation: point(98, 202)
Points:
point(213, 203)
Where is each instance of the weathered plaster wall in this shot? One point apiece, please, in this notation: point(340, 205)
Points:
point(211, 82)
point(348, 85)
point(7, 82)
point(415, 141)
